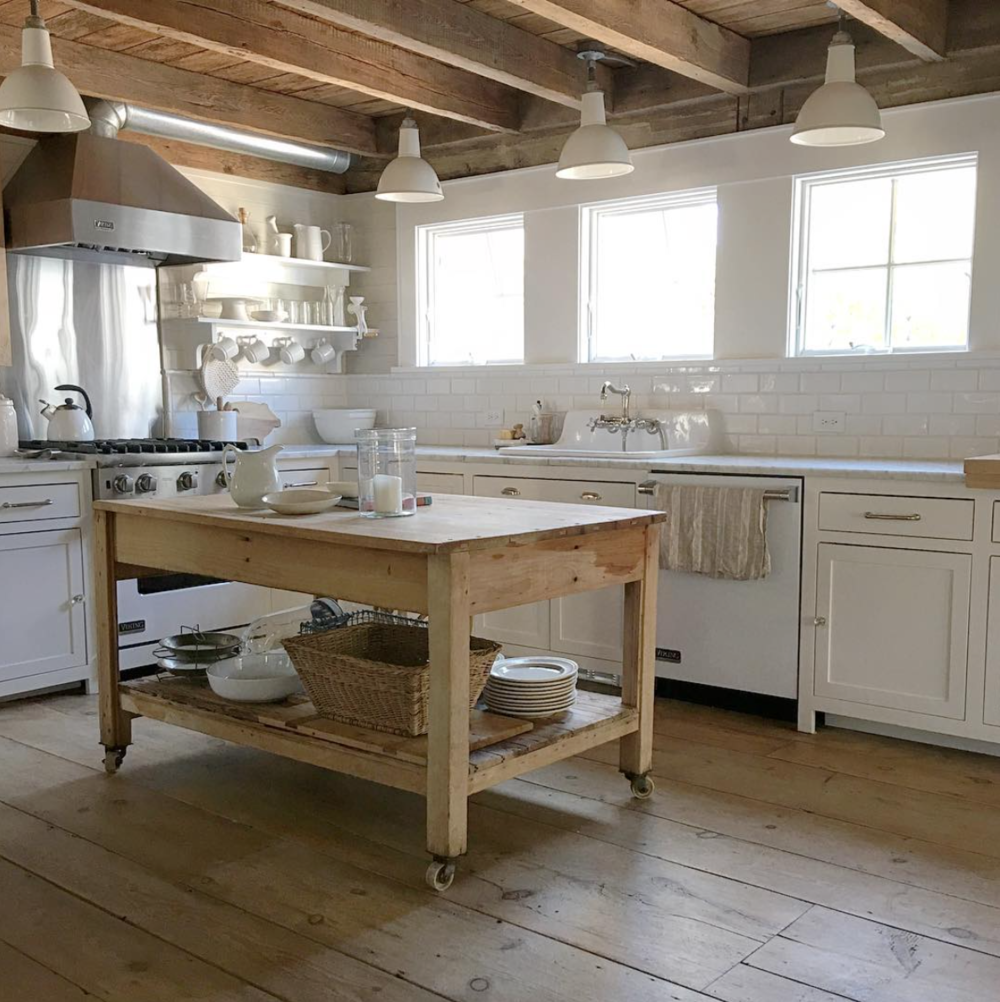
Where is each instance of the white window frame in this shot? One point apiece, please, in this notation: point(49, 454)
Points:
point(590, 215)
point(425, 266)
point(804, 186)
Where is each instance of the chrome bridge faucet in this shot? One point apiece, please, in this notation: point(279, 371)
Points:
point(624, 422)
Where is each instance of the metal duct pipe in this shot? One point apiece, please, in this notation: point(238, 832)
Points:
point(108, 117)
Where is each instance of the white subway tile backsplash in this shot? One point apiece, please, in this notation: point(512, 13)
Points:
point(977, 403)
point(907, 382)
point(739, 383)
point(819, 382)
point(800, 403)
point(952, 380)
point(905, 424)
point(884, 403)
point(862, 382)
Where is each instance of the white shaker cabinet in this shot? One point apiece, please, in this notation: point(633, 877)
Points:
point(42, 604)
point(991, 712)
point(892, 627)
point(587, 625)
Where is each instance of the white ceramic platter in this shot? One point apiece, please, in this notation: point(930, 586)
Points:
point(300, 501)
point(529, 670)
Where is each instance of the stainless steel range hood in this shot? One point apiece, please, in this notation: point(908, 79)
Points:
point(90, 197)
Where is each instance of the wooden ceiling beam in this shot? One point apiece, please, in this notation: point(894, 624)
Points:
point(120, 77)
point(288, 42)
point(464, 37)
point(919, 26)
point(658, 32)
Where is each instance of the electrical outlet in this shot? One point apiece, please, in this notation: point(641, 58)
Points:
point(828, 422)
point(493, 419)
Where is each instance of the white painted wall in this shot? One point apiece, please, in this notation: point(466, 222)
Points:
point(753, 172)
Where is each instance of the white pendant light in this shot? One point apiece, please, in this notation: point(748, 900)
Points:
point(595, 150)
point(841, 112)
point(409, 178)
point(37, 97)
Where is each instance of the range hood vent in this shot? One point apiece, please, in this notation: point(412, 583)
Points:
point(91, 197)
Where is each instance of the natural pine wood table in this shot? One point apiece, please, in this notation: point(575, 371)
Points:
point(455, 559)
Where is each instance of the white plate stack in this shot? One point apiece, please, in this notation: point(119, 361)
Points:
point(531, 687)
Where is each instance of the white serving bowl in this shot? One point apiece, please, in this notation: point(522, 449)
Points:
point(254, 678)
point(300, 501)
point(337, 426)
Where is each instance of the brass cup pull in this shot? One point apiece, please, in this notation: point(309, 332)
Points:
point(511, 492)
point(590, 496)
point(885, 517)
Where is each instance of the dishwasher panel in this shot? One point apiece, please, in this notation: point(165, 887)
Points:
point(736, 634)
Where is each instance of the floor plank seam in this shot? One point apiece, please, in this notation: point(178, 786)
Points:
point(55, 974)
point(187, 887)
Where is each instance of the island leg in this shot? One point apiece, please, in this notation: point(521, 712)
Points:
point(448, 734)
point(116, 723)
point(638, 667)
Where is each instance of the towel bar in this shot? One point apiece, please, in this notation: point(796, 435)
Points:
point(789, 494)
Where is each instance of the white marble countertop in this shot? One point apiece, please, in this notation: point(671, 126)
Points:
point(937, 470)
point(15, 464)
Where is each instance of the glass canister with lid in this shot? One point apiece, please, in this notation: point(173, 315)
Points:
point(387, 472)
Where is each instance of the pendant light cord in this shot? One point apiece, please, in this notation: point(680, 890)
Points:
point(34, 18)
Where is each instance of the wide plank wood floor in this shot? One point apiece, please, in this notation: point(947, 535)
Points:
point(769, 866)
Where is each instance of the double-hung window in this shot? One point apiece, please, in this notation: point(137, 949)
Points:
point(883, 258)
point(648, 277)
point(470, 292)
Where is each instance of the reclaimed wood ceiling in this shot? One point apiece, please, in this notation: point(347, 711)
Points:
point(495, 83)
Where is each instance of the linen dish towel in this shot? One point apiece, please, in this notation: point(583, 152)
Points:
point(717, 531)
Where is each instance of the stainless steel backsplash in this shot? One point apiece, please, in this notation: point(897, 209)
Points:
point(89, 324)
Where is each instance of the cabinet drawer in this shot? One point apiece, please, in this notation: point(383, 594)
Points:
point(27, 503)
point(885, 514)
point(566, 491)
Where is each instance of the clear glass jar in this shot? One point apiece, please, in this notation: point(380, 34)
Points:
point(387, 472)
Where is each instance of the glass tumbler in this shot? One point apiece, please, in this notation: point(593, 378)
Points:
point(387, 472)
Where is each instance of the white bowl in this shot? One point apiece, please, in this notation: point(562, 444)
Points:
point(300, 501)
point(254, 678)
point(269, 316)
point(337, 426)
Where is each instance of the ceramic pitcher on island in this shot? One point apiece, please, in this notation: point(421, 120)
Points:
point(255, 474)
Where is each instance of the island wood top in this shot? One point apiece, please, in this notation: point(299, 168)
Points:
point(452, 522)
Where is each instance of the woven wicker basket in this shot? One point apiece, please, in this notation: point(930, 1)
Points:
point(377, 675)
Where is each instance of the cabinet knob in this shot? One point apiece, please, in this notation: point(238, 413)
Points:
point(590, 496)
point(819, 621)
point(511, 492)
point(76, 600)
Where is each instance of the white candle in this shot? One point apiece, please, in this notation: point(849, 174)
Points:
point(388, 494)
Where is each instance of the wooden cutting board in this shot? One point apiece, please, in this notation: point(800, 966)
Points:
point(983, 472)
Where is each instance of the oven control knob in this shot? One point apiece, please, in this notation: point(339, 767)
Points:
point(123, 484)
point(187, 482)
point(145, 484)
point(220, 479)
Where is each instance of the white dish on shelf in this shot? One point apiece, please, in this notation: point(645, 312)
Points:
point(337, 425)
point(300, 501)
point(255, 678)
point(269, 316)
point(533, 670)
point(234, 307)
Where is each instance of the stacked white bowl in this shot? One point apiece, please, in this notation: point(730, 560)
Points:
point(531, 687)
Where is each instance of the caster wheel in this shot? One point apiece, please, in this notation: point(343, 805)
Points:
point(642, 787)
point(113, 759)
point(440, 875)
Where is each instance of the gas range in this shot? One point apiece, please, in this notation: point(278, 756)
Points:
point(149, 467)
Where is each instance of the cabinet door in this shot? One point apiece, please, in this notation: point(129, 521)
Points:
point(992, 710)
point(42, 619)
point(893, 627)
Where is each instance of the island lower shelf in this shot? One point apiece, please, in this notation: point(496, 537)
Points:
point(500, 747)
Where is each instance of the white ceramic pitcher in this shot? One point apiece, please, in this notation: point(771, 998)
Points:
point(311, 241)
point(255, 474)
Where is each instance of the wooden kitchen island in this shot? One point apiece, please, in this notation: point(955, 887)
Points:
point(452, 560)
